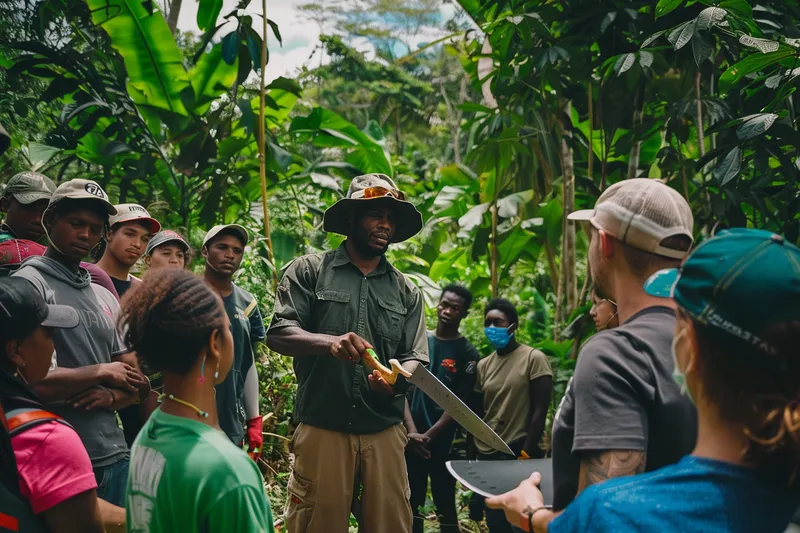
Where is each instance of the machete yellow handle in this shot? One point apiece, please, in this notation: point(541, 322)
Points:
point(390, 375)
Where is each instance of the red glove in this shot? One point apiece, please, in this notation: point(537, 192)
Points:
point(255, 438)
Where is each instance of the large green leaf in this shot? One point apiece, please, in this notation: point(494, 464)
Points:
point(443, 263)
point(729, 167)
point(756, 125)
point(666, 6)
point(211, 77)
point(752, 64)
point(154, 63)
point(207, 13)
point(329, 129)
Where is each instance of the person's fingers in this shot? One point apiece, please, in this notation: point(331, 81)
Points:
point(84, 400)
point(358, 343)
point(95, 404)
point(535, 478)
point(495, 502)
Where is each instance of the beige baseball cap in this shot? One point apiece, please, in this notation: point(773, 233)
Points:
point(642, 213)
point(80, 189)
point(233, 228)
point(134, 213)
point(28, 187)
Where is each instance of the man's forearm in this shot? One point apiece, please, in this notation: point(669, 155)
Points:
point(63, 383)
point(296, 342)
point(408, 420)
point(444, 421)
point(542, 519)
point(123, 398)
point(535, 432)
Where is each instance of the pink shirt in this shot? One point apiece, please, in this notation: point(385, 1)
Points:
point(53, 465)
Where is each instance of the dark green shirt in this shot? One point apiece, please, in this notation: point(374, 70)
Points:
point(326, 293)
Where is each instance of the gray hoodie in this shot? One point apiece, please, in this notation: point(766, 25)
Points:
point(93, 342)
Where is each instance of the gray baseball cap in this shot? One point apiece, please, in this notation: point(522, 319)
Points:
point(28, 187)
point(163, 237)
point(232, 228)
point(79, 189)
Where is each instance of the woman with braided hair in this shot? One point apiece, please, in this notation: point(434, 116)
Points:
point(185, 474)
point(735, 354)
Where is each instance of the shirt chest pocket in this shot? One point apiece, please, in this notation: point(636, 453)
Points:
point(333, 312)
point(391, 319)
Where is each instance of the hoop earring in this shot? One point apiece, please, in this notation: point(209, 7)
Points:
point(203, 371)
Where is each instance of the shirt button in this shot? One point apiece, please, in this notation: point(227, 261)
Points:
point(353, 406)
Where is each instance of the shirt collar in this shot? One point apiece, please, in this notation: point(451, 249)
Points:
point(341, 258)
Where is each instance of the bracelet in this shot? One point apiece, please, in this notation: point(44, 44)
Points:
point(526, 520)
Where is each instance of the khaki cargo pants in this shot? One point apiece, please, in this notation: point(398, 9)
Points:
point(330, 469)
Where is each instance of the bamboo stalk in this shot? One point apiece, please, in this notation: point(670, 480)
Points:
point(262, 149)
point(700, 135)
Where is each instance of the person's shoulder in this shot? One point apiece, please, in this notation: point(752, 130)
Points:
point(532, 352)
point(56, 441)
point(243, 295)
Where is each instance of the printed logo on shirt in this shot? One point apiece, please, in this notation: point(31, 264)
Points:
point(449, 365)
point(472, 367)
point(145, 471)
point(107, 310)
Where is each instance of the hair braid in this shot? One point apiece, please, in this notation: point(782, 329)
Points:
point(169, 317)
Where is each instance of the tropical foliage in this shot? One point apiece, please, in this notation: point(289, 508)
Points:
point(524, 111)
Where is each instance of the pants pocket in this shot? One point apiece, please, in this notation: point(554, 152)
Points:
point(300, 504)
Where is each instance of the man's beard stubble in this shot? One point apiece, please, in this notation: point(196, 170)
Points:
point(362, 247)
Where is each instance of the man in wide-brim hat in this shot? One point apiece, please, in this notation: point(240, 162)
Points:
point(330, 307)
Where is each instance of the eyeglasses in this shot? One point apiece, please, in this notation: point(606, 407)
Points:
point(380, 192)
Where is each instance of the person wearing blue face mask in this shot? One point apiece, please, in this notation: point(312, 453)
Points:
point(514, 387)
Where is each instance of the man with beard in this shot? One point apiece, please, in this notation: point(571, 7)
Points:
point(330, 308)
point(237, 396)
point(623, 413)
point(86, 387)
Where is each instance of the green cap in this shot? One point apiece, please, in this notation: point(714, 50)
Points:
point(741, 281)
point(28, 187)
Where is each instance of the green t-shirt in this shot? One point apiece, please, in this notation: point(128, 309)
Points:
point(186, 476)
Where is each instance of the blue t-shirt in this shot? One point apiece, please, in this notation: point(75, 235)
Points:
point(695, 495)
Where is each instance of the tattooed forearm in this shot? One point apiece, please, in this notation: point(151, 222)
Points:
point(598, 467)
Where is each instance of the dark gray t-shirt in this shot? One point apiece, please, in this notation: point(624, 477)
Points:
point(622, 397)
point(93, 342)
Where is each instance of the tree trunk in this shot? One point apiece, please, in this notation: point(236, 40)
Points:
point(590, 165)
point(700, 135)
point(174, 11)
point(568, 175)
point(262, 149)
point(493, 238)
point(636, 148)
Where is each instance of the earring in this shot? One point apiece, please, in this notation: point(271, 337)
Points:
point(216, 373)
point(203, 371)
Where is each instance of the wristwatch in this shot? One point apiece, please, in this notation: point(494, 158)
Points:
point(526, 519)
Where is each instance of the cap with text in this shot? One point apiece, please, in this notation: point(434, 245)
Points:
point(740, 282)
point(164, 237)
point(134, 213)
point(80, 189)
point(643, 213)
point(28, 187)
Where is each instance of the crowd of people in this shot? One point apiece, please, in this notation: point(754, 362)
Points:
point(132, 404)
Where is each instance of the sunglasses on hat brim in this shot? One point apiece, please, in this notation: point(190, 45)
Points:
point(380, 192)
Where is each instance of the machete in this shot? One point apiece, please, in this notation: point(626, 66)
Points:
point(439, 393)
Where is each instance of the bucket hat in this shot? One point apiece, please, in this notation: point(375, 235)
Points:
point(380, 190)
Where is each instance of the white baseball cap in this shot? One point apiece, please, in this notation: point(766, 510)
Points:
point(134, 213)
point(642, 213)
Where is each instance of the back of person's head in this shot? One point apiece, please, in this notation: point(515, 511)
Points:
point(460, 291)
point(739, 293)
point(505, 307)
point(651, 221)
point(170, 318)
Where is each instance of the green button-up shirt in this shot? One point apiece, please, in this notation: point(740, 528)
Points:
point(327, 293)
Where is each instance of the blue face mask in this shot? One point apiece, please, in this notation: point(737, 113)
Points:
point(498, 337)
